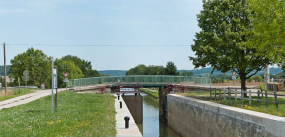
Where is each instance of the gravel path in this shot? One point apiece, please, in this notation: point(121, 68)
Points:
point(26, 98)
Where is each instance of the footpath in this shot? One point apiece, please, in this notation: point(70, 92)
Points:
point(26, 98)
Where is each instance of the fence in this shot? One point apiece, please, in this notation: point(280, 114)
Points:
point(227, 94)
point(152, 79)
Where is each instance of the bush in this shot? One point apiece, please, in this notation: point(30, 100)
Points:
point(249, 80)
point(257, 78)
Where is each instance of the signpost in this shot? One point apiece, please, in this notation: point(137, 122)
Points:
point(26, 77)
point(66, 79)
point(43, 86)
point(234, 75)
point(55, 104)
point(19, 85)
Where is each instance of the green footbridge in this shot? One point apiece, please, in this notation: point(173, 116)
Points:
point(142, 80)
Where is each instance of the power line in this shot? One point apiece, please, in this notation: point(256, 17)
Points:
point(91, 45)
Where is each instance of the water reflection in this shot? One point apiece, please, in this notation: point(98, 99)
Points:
point(151, 126)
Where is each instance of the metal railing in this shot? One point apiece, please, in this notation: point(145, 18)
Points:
point(142, 79)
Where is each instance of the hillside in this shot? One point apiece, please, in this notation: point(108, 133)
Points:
point(202, 71)
point(197, 72)
point(2, 70)
point(113, 72)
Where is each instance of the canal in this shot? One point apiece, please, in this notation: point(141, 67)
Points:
point(145, 111)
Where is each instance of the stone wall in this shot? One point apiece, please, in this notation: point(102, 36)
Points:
point(196, 118)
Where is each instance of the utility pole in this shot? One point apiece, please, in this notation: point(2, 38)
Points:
point(5, 68)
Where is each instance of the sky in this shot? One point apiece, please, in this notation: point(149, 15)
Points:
point(111, 34)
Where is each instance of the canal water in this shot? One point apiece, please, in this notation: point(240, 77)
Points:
point(145, 111)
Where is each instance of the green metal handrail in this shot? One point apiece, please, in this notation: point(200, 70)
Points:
point(149, 79)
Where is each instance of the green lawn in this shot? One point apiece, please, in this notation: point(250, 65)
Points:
point(154, 94)
point(76, 115)
point(13, 93)
point(254, 107)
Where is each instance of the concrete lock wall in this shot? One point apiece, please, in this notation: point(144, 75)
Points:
point(196, 118)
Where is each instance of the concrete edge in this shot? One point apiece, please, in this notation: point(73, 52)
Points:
point(133, 130)
point(273, 124)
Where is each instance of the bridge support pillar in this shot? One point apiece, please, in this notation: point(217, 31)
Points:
point(163, 103)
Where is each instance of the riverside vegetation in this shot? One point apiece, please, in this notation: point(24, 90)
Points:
point(153, 94)
point(76, 115)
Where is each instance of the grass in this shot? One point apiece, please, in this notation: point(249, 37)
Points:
point(11, 93)
point(154, 94)
point(77, 115)
point(262, 86)
point(254, 107)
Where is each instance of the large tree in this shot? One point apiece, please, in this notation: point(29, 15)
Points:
point(155, 70)
point(267, 21)
point(222, 43)
point(36, 62)
point(84, 65)
point(171, 69)
point(138, 70)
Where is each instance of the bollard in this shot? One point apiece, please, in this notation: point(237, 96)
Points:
point(120, 104)
point(127, 121)
point(118, 97)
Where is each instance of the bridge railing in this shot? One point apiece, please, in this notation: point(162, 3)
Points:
point(139, 79)
point(142, 79)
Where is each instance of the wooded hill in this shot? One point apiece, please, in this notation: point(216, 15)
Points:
point(2, 70)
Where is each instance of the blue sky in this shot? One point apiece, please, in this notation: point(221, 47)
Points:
point(131, 28)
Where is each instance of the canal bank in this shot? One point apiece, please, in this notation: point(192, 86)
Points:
point(145, 111)
point(193, 117)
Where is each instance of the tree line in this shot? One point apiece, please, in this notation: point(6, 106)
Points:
point(39, 67)
point(170, 69)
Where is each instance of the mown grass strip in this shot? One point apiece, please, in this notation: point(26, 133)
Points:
point(153, 94)
point(76, 115)
point(12, 93)
point(254, 107)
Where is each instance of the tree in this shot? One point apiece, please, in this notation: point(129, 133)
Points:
point(221, 43)
point(257, 78)
point(187, 73)
point(66, 67)
point(1, 80)
point(267, 28)
point(138, 70)
point(37, 63)
point(84, 65)
point(249, 80)
point(155, 70)
point(171, 69)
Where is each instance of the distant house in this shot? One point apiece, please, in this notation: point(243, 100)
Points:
point(8, 79)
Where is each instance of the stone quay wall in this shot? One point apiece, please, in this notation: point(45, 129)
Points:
point(197, 118)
